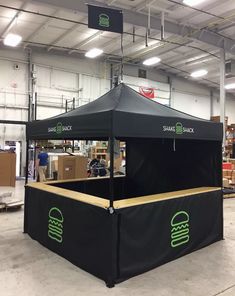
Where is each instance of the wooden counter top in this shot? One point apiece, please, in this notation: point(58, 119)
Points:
point(124, 203)
point(86, 198)
point(130, 202)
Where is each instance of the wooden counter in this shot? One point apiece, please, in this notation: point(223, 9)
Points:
point(130, 202)
point(86, 198)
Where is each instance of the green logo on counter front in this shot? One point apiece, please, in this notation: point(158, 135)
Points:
point(104, 20)
point(179, 229)
point(55, 224)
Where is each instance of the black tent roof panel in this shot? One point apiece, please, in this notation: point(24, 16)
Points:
point(123, 113)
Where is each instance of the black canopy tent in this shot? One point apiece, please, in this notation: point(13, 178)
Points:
point(124, 113)
point(167, 151)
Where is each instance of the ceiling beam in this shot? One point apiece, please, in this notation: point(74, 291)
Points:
point(206, 8)
point(12, 22)
point(40, 28)
point(65, 34)
point(140, 19)
point(85, 41)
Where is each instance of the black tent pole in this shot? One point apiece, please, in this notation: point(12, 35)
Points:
point(34, 161)
point(27, 162)
point(111, 185)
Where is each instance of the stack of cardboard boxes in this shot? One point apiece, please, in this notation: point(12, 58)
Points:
point(70, 167)
point(229, 173)
point(7, 169)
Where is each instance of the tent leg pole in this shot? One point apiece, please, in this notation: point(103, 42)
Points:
point(27, 162)
point(111, 183)
point(34, 162)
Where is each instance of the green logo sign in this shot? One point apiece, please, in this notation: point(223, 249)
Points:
point(179, 229)
point(179, 128)
point(55, 224)
point(104, 20)
point(59, 128)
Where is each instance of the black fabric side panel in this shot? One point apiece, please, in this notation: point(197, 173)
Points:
point(84, 237)
point(146, 231)
point(162, 165)
point(96, 187)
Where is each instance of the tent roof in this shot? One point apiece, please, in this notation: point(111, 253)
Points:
point(123, 113)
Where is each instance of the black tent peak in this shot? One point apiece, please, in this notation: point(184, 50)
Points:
point(123, 112)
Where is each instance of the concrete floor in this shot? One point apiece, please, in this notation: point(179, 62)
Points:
point(28, 269)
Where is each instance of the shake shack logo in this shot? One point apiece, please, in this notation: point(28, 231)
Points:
point(59, 128)
point(55, 225)
point(104, 20)
point(178, 129)
point(179, 229)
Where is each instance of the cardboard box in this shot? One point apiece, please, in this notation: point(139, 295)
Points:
point(72, 167)
point(54, 165)
point(7, 169)
point(225, 182)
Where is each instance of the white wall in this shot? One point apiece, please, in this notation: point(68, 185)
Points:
point(60, 78)
point(190, 98)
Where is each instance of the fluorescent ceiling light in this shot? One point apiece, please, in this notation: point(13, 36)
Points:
point(151, 61)
point(12, 39)
point(199, 73)
point(93, 53)
point(230, 86)
point(193, 2)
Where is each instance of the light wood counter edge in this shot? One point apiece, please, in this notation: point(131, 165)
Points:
point(82, 179)
point(130, 202)
point(82, 197)
point(124, 203)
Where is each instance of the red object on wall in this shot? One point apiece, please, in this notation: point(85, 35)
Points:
point(227, 166)
point(148, 92)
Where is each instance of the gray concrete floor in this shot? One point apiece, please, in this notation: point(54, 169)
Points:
point(28, 269)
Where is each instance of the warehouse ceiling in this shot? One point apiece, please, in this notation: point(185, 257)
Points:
point(194, 35)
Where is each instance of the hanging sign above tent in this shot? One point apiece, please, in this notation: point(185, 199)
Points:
point(105, 19)
point(148, 92)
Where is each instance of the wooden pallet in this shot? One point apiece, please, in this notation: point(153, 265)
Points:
point(16, 204)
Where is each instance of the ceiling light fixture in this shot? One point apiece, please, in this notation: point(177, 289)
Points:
point(193, 2)
point(93, 53)
point(12, 40)
point(151, 61)
point(199, 73)
point(230, 86)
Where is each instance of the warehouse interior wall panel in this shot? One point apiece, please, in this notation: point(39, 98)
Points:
point(60, 78)
point(195, 105)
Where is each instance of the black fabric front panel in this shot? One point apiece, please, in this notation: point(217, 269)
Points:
point(154, 167)
point(87, 231)
point(96, 187)
point(146, 230)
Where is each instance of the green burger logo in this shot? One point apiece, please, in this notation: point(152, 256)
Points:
point(104, 20)
point(55, 224)
point(59, 128)
point(179, 229)
point(179, 128)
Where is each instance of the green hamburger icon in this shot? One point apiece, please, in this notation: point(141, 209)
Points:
point(179, 229)
point(179, 128)
point(55, 224)
point(104, 20)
